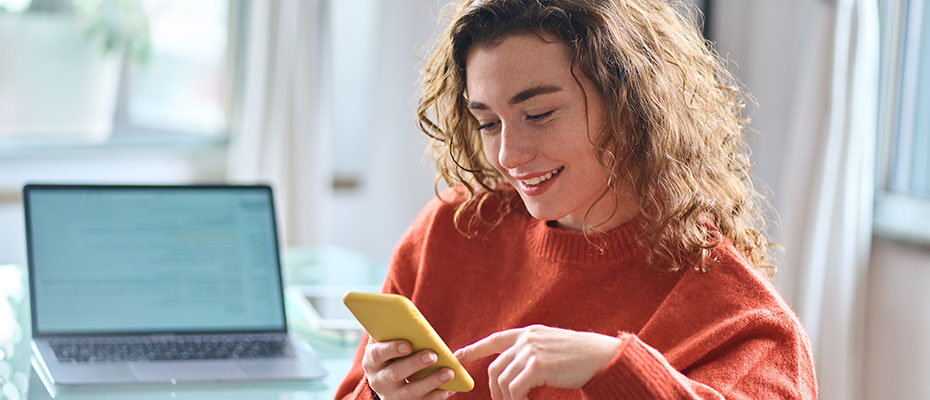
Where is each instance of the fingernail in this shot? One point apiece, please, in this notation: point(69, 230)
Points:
point(447, 375)
point(429, 357)
point(458, 353)
point(403, 348)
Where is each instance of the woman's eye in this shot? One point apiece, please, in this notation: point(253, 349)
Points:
point(540, 116)
point(487, 125)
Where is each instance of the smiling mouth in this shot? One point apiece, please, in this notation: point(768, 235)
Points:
point(542, 178)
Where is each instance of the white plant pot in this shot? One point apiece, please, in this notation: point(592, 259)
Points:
point(55, 83)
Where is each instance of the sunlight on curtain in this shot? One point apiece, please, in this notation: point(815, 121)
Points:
point(276, 138)
point(827, 196)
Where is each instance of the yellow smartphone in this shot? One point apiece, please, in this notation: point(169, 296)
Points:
point(389, 317)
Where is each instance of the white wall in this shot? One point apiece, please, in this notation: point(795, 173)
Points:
point(898, 322)
point(12, 241)
point(395, 179)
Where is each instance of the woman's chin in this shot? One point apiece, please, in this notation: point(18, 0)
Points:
point(549, 215)
point(541, 213)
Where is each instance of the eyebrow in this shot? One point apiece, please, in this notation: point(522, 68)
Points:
point(519, 97)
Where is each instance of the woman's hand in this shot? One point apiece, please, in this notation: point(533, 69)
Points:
point(387, 366)
point(539, 355)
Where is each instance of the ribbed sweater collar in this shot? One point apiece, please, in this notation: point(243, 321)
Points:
point(565, 246)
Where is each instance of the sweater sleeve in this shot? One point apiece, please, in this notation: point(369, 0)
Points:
point(721, 334)
point(759, 359)
point(640, 372)
point(360, 392)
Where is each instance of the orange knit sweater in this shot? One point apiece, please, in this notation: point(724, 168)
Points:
point(724, 333)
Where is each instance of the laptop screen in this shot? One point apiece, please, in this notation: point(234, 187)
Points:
point(134, 259)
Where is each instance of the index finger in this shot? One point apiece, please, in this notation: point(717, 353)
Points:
point(493, 344)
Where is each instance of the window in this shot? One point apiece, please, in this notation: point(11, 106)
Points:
point(103, 71)
point(903, 200)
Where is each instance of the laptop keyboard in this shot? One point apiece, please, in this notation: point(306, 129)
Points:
point(171, 348)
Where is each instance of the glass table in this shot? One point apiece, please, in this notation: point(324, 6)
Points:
point(331, 271)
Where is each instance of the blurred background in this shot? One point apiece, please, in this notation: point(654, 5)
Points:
point(317, 98)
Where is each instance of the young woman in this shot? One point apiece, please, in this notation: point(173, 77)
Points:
point(601, 238)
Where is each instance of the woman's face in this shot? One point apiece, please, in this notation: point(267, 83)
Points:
point(535, 130)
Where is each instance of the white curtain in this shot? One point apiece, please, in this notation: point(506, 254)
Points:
point(827, 186)
point(276, 136)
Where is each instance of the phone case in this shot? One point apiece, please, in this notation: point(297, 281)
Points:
point(389, 317)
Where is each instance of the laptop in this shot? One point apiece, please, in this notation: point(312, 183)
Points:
point(147, 283)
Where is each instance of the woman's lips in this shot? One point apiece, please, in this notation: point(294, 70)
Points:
point(537, 185)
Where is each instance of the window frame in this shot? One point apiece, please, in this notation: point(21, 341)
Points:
point(899, 215)
point(125, 133)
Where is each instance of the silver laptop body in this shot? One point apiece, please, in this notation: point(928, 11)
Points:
point(158, 284)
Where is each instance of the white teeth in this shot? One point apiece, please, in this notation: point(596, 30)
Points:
point(539, 179)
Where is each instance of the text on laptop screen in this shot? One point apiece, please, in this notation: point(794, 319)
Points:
point(154, 260)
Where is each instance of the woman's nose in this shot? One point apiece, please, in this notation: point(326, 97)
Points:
point(517, 147)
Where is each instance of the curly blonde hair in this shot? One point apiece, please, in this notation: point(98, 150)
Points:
point(674, 117)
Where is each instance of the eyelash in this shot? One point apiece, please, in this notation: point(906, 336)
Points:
point(540, 116)
point(535, 117)
point(487, 125)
